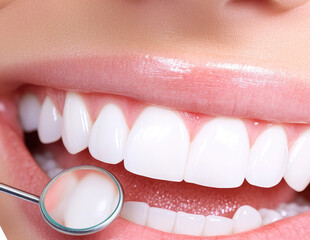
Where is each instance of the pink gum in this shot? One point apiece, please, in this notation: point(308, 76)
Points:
point(132, 109)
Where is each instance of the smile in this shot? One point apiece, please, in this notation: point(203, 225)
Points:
point(191, 161)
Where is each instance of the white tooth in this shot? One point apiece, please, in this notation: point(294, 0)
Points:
point(218, 155)
point(282, 210)
point(268, 158)
point(135, 212)
point(92, 201)
point(76, 124)
point(29, 111)
point(269, 216)
point(157, 145)
point(297, 173)
point(60, 200)
point(190, 224)
point(246, 218)
point(161, 219)
point(49, 128)
point(217, 225)
point(288, 209)
point(108, 135)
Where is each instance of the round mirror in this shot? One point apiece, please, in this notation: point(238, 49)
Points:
point(81, 200)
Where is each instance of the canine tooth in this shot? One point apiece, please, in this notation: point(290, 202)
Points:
point(108, 135)
point(268, 158)
point(218, 155)
point(135, 212)
point(269, 216)
point(76, 124)
point(246, 218)
point(161, 219)
point(157, 145)
point(297, 173)
point(29, 111)
point(190, 224)
point(217, 225)
point(49, 128)
point(91, 202)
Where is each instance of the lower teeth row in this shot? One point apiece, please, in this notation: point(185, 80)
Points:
point(246, 218)
point(47, 162)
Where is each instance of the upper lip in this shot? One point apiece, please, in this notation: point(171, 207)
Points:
point(213, 88)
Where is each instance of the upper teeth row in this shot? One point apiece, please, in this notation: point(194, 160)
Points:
point(158, 145)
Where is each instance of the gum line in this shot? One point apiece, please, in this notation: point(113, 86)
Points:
point(264, 165)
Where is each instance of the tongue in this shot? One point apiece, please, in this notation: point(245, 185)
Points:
point(180, 196)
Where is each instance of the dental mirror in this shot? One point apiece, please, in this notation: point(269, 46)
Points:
point(78, 201)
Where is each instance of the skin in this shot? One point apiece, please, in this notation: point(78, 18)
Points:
point(271, 34)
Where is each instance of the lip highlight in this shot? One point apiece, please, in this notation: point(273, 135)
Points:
point(213, 88)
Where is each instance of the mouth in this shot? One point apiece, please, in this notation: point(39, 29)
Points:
point(197, 149)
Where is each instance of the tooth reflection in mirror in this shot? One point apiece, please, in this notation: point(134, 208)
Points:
point(81, 201)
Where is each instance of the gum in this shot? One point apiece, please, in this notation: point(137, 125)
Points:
point(132, 108)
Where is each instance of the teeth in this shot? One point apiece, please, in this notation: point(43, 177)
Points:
point(76, 124)
point(297, 173)
point(268, 158)
point(291, 209)
point(161, 219)
point(246, 218)
point(189, 224)
point(218, 155)
point(59, 202)
point(92, 201)
point(135, 212)
point(269, 216)
point(108, 136)
point(49, 128)
point(47, 162)
point(29, 111)
point(217, 225)
point(157, 145)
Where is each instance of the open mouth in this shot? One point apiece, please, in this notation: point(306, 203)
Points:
point(189, 166)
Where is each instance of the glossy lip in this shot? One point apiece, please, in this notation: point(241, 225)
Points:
point(213, 88)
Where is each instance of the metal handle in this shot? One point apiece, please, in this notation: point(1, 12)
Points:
point(18, 193)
